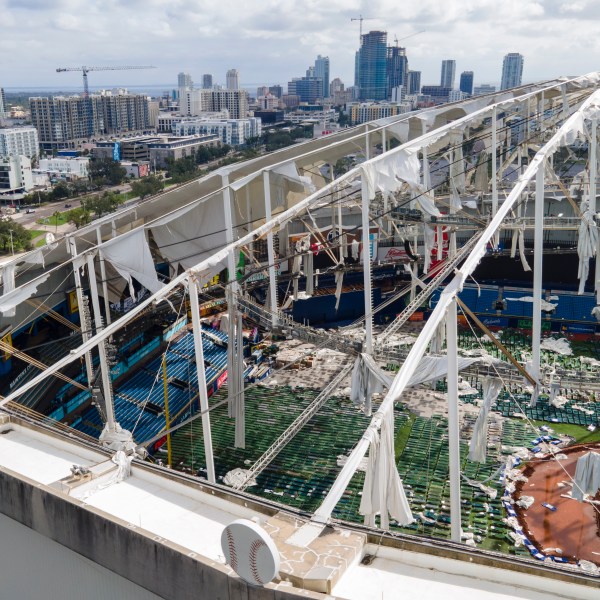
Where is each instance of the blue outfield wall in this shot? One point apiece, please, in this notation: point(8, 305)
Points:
point(321, 309)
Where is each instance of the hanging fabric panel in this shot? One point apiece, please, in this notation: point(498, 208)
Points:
point(192, 234)
point(13, 297)
point(130, 256)
point(478, 444)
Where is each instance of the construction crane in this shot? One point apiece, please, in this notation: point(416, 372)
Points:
point(396, 40)
point(360, 19)
point(86, 70)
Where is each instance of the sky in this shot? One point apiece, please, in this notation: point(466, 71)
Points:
point(271, 41)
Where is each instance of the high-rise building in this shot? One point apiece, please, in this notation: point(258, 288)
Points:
point(396, 70)
point(308, 89)
point(3, 105)
point(336, 86)
point(276, 90)
point(233, 79)
point(338, 93)
point(65, 122)
point(371, 67)
point(290, 100)
point(512, 70)
point(184, 80)
point(19, 141)
point(466, 82)
point(263, 90)
point(322, 71)
point(448, 70)
point(414, 82)
point(207, 81)
point(196, 102)
point(15, 173)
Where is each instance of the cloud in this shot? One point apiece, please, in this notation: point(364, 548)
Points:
point(67, 22)
point(272, 41)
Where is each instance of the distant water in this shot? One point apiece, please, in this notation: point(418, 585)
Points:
point(154, 89)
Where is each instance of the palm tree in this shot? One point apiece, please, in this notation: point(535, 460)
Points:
point(56, 216)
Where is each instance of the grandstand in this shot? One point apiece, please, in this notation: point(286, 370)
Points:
point(371, 460)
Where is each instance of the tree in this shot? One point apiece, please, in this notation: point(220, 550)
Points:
point(253, 141)
point(11, 230)
point(343, 165)
point(79, 217)
point(343, 118)
point(147, 186)
point(60, 190)
point(56, 216)
point(101, 205)
point(107, 170)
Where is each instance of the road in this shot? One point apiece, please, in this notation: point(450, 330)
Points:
point(29, 221)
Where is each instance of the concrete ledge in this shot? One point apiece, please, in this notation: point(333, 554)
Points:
point(164, 568)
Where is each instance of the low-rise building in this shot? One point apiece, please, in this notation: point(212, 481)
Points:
point(175, 148)
point(483, 89)
point(270, 117)
point(155, 149)
point(15, 174)
point(233, 132)
point(136, 170)
point(312, 113)
point(457, 96)
point(65, 167)
point(438, 93)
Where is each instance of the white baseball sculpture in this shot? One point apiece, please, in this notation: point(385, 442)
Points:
point(250, 552)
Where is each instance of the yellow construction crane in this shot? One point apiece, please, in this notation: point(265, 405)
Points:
point(86, 70)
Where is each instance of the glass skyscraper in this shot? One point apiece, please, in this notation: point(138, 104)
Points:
point(512, 70)
point(448, 69)
point(322, 71)
point(466, 82)
point(372, 66)
point(397, 69)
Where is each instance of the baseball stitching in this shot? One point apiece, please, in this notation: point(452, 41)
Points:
point(232, 553)
point(254, 548)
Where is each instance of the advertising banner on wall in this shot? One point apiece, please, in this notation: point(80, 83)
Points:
point(392, 254)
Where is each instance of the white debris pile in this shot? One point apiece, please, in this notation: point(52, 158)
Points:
point(400, 339)
point(588, 360)
point(560, 346)
point(465, 388)
point(515, 475)
point(559, 401)
point(589, 567)
point(238, 477)
point(327, 356)
point(525, 501)
point(482, 353)
point(486, 338)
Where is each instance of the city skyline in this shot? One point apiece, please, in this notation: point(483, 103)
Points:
point(269, 43)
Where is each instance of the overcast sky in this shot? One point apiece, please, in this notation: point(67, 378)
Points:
point(270, 41)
